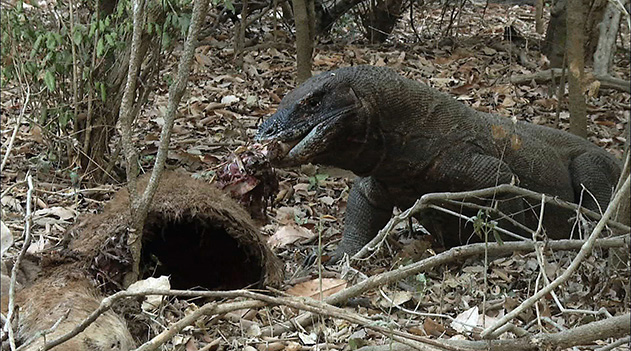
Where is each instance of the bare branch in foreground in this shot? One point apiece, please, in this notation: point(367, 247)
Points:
point(323, 308)
point(582, 254)
point(429, 200)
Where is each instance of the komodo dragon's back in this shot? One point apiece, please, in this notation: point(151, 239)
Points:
point(405, 139)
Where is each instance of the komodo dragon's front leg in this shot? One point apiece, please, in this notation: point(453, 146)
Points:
point(370, 204)
point(368, 210)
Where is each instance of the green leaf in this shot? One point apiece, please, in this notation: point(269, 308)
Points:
point(321, 177)
point(78, 37)
point(36, 45)
point(57, 38)
point(43, 117)
point(49, 79)
point(92, 29)
point(497, 237)
point(299, 220)
point(64, 117)
point(229, 5)
point(109, 39)
point(100, 48)
point(103, 92)
point(30, 67)
point(74, 178)
point(184, 22)
point(421, 278)
point(51, 43)
point(166, 40)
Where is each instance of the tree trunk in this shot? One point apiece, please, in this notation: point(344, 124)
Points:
point(304, 38)
point(539, 16)
point(556, 34)
point(380, 20)
point(576, 64)
point(326, 17)
point(605, 49)
point(97, 158)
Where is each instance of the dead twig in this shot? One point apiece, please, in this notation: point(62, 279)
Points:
point(18, 122)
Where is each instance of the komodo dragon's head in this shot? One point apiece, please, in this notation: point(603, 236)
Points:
point(324, 120)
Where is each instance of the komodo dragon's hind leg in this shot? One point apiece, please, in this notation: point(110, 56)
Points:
point(598, 174)
point(464, 171)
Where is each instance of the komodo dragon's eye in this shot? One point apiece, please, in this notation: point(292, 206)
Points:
point(312, 102)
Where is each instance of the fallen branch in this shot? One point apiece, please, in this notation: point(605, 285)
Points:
point(606, 81)
point(324, 307)
point(613, 327)
point(257, 300)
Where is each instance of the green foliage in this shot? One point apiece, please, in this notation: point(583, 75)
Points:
point(45, 47)
point(317, 179)
point(37, 45)
point(227, 3)
point(484, 225)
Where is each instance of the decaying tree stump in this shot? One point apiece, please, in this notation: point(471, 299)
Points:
point(194, 233)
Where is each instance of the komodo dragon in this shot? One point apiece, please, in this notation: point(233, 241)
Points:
point(404, 139)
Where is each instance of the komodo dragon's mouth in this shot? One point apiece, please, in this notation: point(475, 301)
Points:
point(300, 143)
point(303, 148)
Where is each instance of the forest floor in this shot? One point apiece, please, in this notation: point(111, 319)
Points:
point(219, 116)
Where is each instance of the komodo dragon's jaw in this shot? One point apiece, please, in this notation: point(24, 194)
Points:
point(308, 121)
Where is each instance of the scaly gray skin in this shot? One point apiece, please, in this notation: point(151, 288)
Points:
point(405, 139)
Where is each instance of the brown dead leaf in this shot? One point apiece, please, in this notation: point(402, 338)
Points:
point(508, 102)
point(191, 345)
point(433, 328)
point(501, 89)
point(272, 346)
point(311, 288)
point(288, 234)
point(463, 89)
point(36, 134)
point(498, 132)
point(546, 103)
point(500, 272)
point(515, 142)
point(417, 331)
point(203, 60)
point(413, 251)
